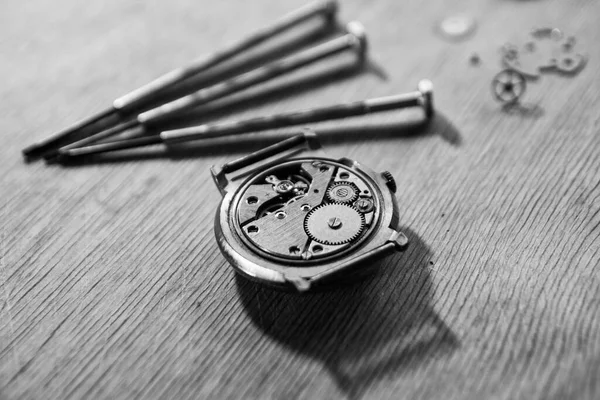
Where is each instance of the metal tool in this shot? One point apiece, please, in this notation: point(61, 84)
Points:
point(422, 97)
point(132, 102)
point(354, 40)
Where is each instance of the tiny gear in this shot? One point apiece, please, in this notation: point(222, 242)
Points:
point(342, 192)
point(334, 224)
point(389, 180)
point(508, 86)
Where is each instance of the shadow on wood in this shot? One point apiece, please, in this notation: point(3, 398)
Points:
point(527, 110)
point(364, 332)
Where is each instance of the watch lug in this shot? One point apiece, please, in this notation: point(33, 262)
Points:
point(399, 240)
point(219, 179)
point(301, 284)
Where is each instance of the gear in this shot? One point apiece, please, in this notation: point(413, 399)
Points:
point(389, 180)
point(334, 224)
point(508, 86)
point(342, 192)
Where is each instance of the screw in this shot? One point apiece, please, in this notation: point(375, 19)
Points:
point(280, 215)
point(284, 187)
point(334, 223)
point(364, 205)
point(457, 27)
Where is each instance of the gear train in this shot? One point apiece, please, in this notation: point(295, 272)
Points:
point(306, 210)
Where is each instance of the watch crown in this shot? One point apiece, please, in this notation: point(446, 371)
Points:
point(389, 180)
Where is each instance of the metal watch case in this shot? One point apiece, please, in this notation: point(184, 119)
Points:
point(291, 217)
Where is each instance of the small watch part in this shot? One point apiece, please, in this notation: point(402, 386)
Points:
point(547, 32)
point(364, 205)
point(342, 192)
point(551, 50)
point(508, 86)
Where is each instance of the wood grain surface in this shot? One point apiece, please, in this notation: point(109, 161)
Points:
point(112, 285)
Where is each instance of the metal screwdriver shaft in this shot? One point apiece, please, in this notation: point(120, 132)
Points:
point(128, 104)
point(354, 40)
point(422, 97)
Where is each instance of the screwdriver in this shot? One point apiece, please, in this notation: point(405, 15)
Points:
point(422, 97)
point(354, 40)
point(128, 104)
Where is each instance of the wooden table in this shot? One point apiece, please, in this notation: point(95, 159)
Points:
point(112, 285)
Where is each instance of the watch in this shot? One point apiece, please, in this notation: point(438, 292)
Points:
point(293, 218)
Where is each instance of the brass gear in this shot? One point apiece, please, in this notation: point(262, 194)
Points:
point(342, 192)
point(334, 224)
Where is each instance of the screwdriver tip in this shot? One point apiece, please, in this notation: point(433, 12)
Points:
point(51, 160)
point(64, 137)
point(50, 155)
point(32, 153)
point(67, 159)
